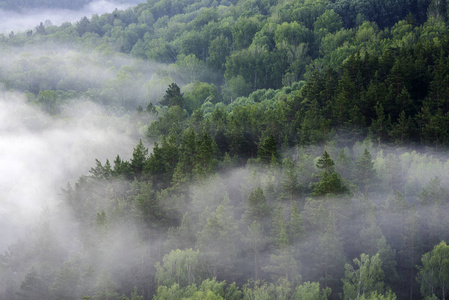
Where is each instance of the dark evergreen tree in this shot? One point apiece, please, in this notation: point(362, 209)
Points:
point(257, 208)
point(365, 173)
point(268, 150)
point(173, 96)
point(139, 159)
point(330, 181)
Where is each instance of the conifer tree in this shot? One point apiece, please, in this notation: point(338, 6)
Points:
point(325, 162)
point(329, 255)
point(295, 226)
point(139, 159)
point(365, 172)
point(257, 208)
point(290, 183)
point(282, 262)
point(256, 240)
point(330, 182)
point(268, 150)
point(173, 96)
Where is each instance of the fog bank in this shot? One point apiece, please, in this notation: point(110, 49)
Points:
point(39, 154)
point(26, 20)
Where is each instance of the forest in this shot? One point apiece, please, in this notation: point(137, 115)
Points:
point(292, 149)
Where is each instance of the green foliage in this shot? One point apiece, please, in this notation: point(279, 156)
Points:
point(264, 291)
point(311, 290)
point(268, 150)
point(162, 161)
point(217, 241)
point(256, 240)
point(67, 283)
point(33, 285)
point(433, 274)
point(105, 288)
point(330, 182)
point(266, 82)
point(181, 267)
point(209, 289)
point(365, 172)
point(257, 208)
point(138, 160)
point(173, 96)
point(328, 22)
point(198, 93)
point(365, 279)
point(377, 296)
point(325, 162)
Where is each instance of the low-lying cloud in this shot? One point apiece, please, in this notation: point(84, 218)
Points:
point(26, 20)
point(39, 154)
point(113, 80)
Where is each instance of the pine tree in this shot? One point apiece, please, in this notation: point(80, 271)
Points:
point(173, 96)
point(365, 172)
point(432, 200)
point(330, 255)
point(139, 159)
point(162, 162)
point(330, 182)
point(282, 264)
point(268, 150)
point(217, 241)
point(256, 240)
point(402, 129)
point(279, 231)
point(325, 163)
point(33, 286)
point(257, 208)
point(290, 183)
point(295, 226)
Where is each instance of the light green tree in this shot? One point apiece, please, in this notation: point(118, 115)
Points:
point(363, 278)
point(267, 291)
point(389, 295)
point(310, 291)
point(433, 275)
point(180, 267)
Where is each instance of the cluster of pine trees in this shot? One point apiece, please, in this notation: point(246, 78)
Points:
point(340, 224)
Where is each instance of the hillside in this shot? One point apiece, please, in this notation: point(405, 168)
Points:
point(288, 150)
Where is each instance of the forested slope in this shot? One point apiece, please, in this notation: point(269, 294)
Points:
point(289, 150)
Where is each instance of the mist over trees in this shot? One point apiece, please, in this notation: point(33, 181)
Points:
point(22, 5)
point(227, 150)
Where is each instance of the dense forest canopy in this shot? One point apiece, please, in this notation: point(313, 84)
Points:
point(268, 150)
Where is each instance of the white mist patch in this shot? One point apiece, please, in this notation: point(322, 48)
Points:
point(39, 154)
point(15, 21)
point(114, 79)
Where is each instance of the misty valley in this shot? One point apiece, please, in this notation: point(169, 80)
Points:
point(224, 149)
